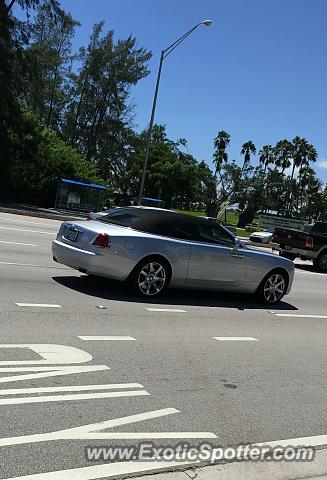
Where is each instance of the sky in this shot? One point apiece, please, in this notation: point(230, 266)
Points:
point(259, 71)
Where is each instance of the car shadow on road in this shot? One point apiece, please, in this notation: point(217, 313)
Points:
point(104, 289)
point(306, 267)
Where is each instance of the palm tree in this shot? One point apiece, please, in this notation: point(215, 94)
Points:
point(220, 155)
point(283, 154)
point(248, 148)
point(302, 153)
point(266, 156)
point(307, 182)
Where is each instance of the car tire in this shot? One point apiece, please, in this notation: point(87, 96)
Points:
point(151, 277)
point(320, 263)
point(273, 287)
point(289, 256)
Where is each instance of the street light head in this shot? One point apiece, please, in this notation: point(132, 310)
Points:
point(207, 23)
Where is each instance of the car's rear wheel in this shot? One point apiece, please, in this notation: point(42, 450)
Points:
point(273, 287)
point(150, 277)
point(320, 263)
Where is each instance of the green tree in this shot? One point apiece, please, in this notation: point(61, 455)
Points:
point(99, 108)
point(49, 56)
point(39, 158)
point(283, 154)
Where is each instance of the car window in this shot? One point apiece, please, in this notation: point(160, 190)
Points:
point(183, 231)
point(214, 234)
point(121, 218)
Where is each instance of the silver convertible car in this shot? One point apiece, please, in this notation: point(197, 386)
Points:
point(151, 249)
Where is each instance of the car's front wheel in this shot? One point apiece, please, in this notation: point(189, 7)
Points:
point(273, 287)
point(150, 277)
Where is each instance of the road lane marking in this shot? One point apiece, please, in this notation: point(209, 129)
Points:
point(34, 223)
point(18, 243)
point(69, 388)
point(105, 338)
point(25, 230)
point(68, 398)
point(120, 468)
point(45, 372)
point(41, 305)
point(236, 339)
point(51, 354)
point(94, 431)
point(33, 265)
point(173, 310)
point(297, 315)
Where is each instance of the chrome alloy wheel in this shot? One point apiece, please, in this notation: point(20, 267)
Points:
point(152, 278)
point(274, 288)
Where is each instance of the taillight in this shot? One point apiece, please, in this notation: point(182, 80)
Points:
point(102, 240)
point(274, 237)
point(309, 242)
point(88, 217)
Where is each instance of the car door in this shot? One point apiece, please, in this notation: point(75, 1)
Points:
point(214, 259)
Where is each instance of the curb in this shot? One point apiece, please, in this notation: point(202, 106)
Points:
point(48, 215)
point(247, 470)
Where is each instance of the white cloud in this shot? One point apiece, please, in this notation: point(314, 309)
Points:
point(322, 164)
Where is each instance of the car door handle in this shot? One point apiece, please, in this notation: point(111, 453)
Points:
point(237, 255)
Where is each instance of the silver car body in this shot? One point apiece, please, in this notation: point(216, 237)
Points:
point(193, 264)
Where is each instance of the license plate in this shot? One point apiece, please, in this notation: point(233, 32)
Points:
point(72, 235)
point(287, 247)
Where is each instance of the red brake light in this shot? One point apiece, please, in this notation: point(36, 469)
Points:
point(88, 217)
point(102, 240)
point(309, 242)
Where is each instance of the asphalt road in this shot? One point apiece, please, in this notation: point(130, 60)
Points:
point(168, 365)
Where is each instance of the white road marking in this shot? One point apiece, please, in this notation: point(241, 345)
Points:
point(102, 471)
point(94, 431)
point(173, 310)
point(67, 398)
point(51, 354)
point(18, 243)
point(34, 265)
point(297, 315)
point(69, 388)
point(121, 468)
point(34, 223)
point(42, 305)
point(236, 339)
point(45, 372)
point(25, 230)
point(105, 337)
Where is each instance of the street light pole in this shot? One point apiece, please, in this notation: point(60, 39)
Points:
point(163, 55)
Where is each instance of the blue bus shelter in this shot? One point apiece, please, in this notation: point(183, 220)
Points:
point(78, 196)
